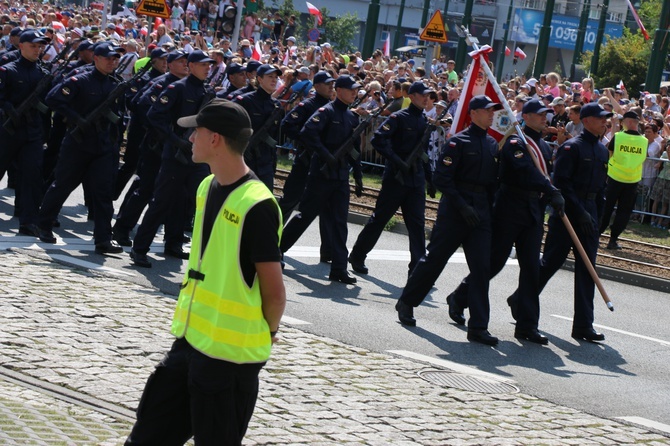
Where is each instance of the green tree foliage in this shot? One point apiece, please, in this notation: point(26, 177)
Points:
point(339, 31)
point(625, 58)
point(650, 14)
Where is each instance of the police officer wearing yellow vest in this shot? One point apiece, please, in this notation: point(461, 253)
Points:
point(231, 300)
point(628, 151)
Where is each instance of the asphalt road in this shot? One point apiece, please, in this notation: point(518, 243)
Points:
point(626, 376)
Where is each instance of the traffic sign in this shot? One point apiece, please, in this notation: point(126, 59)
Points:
point(313, 35)
point(434, 30)
point(154, 8)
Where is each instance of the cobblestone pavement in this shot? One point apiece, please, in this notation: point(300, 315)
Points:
point(102, 336)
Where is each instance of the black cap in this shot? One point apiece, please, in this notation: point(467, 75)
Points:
point(199, 56)
point(220, 116)
point(419, 87)
point(33, 36)
point(106, 49)
point(322, 78)
point(266, 69)
point(158, 53)
point(16, 31)
point(483, 101)
point(234, 68)
point(253, 65)
point(594, 109)
point(631, 114)
point(548, 97)
point(534, 106)
point(85, 45)
point(174, 55)
point(347, 82)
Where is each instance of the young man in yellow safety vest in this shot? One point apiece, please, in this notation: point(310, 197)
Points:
point(231, 300)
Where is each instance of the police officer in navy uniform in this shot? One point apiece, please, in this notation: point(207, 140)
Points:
point(395, 140)
point(466, 175)
point(235, 74)
point(327, 191)
point(142, 189)
point(12, 53)
point(580, 170)
point(179, 177)
point(136, 130)
point(93, 157)
point(262, 157)
point(294, 186)
point(22, 140)
point(251, 74)
point(518, 220)
point(291, 126)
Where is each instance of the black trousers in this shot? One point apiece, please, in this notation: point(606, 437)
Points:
point(623, 195)
point(192, 395)
point(131, 156)
point(450, 232)
point(393, 195)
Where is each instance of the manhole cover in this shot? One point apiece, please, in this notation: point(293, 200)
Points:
point(467, 382)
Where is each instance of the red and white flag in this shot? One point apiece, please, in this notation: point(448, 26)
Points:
point(518, 52)
point(58, 27)
point(638, 21)
point(313, 10)
point(386, 49)
point(507, 51)
point(287, 57)
point(257, 51)
point(477, 83)
point(620, 85)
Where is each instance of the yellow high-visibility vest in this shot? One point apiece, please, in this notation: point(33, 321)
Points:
point(630, 152)
point(217, 312)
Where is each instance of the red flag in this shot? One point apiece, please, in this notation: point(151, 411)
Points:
point(507, 51)
point(518, 52)
point(313, 10)
point(638, 21)
point(256, 54)
point(157, 21)
point(476, 83)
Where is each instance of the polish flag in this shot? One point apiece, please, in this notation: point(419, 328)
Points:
point(58, 27)
point(256, 54)
point(287, 57)
point(518, 52)
point(507, 51)
point(386, 49)
point(638, 21)
point(313, 10)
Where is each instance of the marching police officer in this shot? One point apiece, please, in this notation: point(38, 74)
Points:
point(466, 176)
point(237, 80)
point(580, 170)
point(251, 74)
point(21, 139)
point(141, 190)
point(136, 130)
point(294, 186)
point(179, 177)
point(395, 140)
point(12, 53)
point(88, 153)
point(261, 156)
point(518, 219)
point(327, 191)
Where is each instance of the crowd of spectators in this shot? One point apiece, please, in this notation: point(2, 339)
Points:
point(270, 37)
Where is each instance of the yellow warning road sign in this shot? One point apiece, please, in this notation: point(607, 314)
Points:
point(434, 30)
point(153, 8)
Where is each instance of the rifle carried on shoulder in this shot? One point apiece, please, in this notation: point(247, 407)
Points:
point(347, 147)
point(418, 152)
point(34, 98)
point(104, 110)
point(263, 133)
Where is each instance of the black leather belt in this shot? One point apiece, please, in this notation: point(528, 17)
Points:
point(516, 190)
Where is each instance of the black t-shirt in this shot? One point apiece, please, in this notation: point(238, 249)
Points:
point(279, 24)
point(259, 242)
